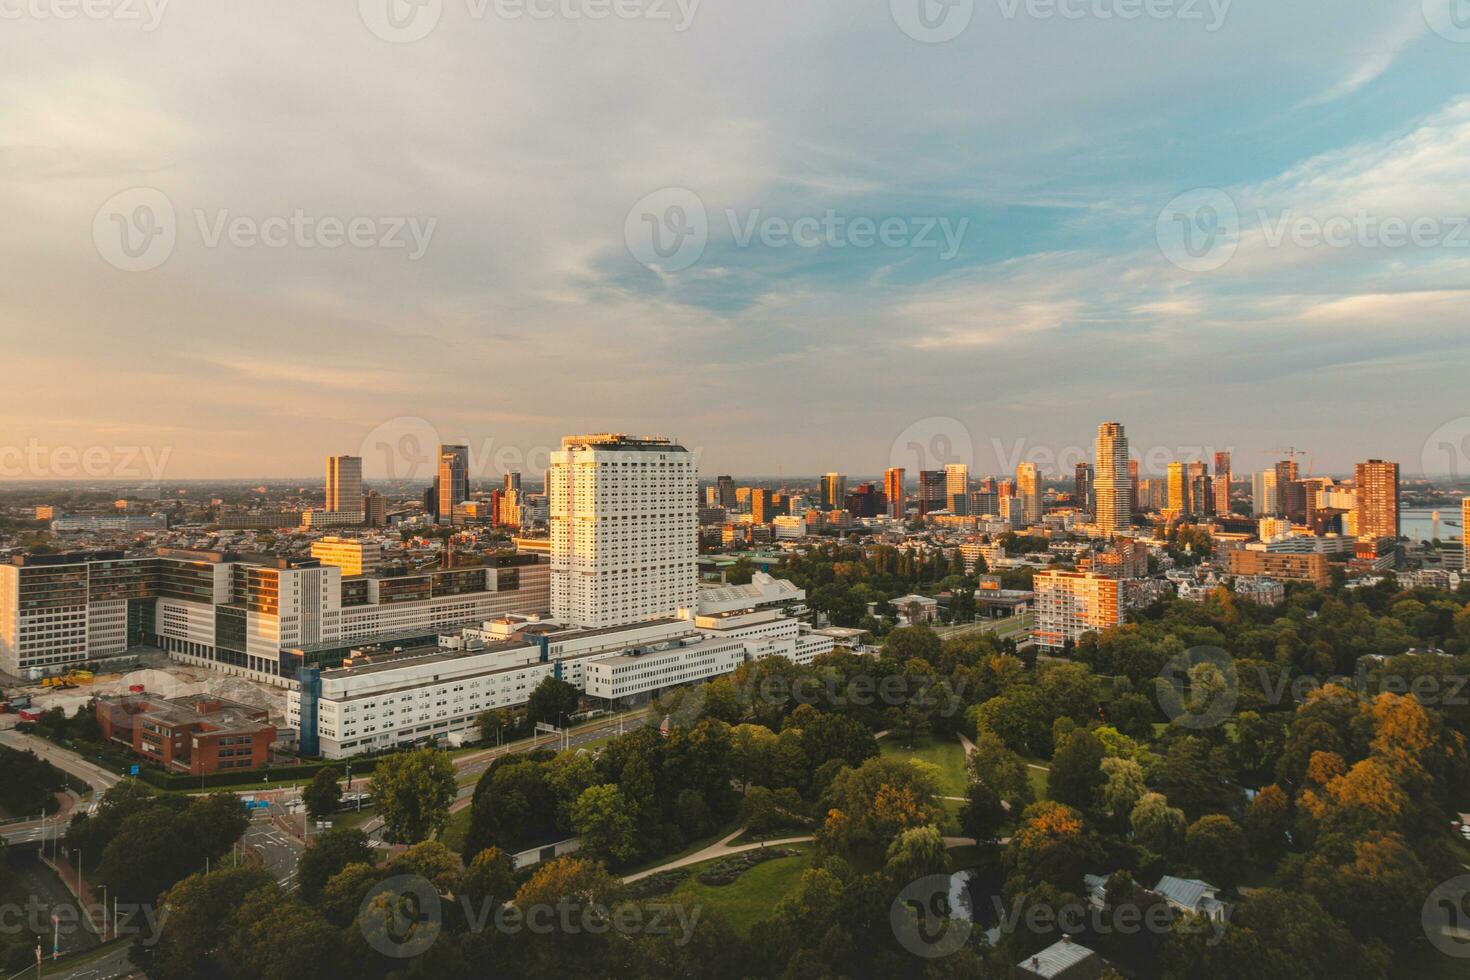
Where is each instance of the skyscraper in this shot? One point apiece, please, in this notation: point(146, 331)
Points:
point(931, 491)
point(1134, 505)
point(624, 530)
point(1378, 499)
point(893, 489)
point(453, 482)
point(1263, 494)
point(344, 483)
point(957, 487)
point(760, 505)
point(512, 482)
point(1465, 534)
point(726, 485)
point(1285, 476)
point(834, 491)
point(1028, 489)
point(1178, 490)
point(1114, 481)
point(1082, 488)
point(1222, 483)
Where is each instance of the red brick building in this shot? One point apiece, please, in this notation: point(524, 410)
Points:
point(197, 734)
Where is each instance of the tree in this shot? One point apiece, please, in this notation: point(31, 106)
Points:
point(765, 810)
point(1076, 774)
point(198, 924)
point(552, 701)
point(413, 791)
point(1157, 825)
point(983, 814)
point(1215, 844)
point(329, 854)
point(490, 879)
point(916, 853)
point(323, 795)
point(1267, 822)
point(601, 819)
point(275, 937)
point(1124, 786)
point(492, 725)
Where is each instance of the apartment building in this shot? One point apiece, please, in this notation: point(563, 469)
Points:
point(1071, 604)
point(1282, 566)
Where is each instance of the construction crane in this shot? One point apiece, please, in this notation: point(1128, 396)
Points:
point(1291, 453)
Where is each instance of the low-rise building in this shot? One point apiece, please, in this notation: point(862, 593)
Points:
point(1282, 566)
point(198, 734)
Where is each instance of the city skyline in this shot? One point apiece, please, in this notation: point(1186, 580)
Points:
point(1059, 307)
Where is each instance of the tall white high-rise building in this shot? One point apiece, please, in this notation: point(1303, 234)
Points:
point(1264, 499)
point(1111, 483)
point(344, 483)
point(624, 530)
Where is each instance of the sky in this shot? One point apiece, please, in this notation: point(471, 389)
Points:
point(797, 237)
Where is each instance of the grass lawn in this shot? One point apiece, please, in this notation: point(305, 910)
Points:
point(752, 896)
point(455, 830)
point(1037, 779)
point(948, 755)
point(951, 825)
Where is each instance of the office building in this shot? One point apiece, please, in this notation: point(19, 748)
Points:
point(452, 484)
point(1378, 499)
point(894, 491)
point(344, 484)
point(374, 509)
point(1285, 476)
point(1114, 480)
point(957, 488)
point(1133, 505)
point(1028, 490)
point(624, 534)
point(258, 616)
point(1222, 483)
point(1071, 604)
point(1178, 491)
point(833, 491)
point(354, 556)
point(197, 734)
point(725, 485)
point(1263, 494)
point(932, 489)
point(1082, 488)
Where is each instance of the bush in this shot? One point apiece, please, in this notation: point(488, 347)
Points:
point(726, 871)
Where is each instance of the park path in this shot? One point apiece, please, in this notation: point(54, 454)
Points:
point(720, 848)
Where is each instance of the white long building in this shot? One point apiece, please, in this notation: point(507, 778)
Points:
point(256, 616)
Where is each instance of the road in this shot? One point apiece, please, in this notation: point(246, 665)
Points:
point(46, 896)
point(279, 852)
point(95, 776)
point(114, 963)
